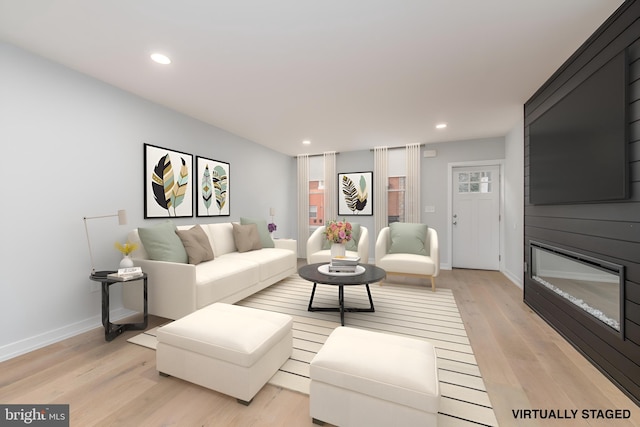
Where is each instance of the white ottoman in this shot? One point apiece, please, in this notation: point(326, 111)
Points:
point(363, 378)
point(231, 349)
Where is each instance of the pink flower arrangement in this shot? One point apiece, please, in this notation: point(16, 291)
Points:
point(338, 231)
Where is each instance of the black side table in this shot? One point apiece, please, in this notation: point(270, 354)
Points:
point(112, 330)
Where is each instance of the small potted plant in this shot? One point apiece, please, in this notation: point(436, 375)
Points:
point(272, 227)
point(338, 233)
point(126, 250)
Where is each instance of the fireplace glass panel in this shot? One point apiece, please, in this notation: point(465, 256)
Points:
point(592, 286)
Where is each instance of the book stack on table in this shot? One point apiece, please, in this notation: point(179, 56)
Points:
point(343, 264)
point(124, 274)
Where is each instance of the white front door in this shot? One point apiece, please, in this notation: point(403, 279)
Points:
point(476, 217)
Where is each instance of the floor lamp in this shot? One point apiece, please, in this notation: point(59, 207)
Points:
point(122, 220)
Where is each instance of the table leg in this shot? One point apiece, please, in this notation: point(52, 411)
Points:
point(370, 299)
point(341, 308)
point(112, 330)
point(313, 292)
point(341, 301)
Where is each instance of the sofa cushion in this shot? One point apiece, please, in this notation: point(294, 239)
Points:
point(224, 276)
point(407, 264)
point(270, 261)
point(408, 238)
point(263, 230)
point(221, 237)
point(196, 243)
point(246, 237)
point(162, 243)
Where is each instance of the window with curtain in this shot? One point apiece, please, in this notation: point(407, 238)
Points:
point(395, 199)
point(396, 185)
point(316, 193)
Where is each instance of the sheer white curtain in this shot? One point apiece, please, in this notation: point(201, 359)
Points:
point(412, 192)
point(330, 186)
point(380, 184)
point(303, 204)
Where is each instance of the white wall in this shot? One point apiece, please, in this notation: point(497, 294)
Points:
point(73, 146)
point(434, 190)
point(514, 204)
point(434, 172)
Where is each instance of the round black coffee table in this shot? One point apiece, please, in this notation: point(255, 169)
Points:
point(371, 274)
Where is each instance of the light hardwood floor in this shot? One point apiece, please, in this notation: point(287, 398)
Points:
point(524, 362)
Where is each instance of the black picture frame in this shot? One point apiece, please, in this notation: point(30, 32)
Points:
point(355, 193)
point(212, 187)
point(168, 178)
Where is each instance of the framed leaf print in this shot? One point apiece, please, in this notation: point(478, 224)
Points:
point(355, 193)
point(212, 187)
point(168, 181)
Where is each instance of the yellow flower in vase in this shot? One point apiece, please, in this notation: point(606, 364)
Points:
point(127, 248)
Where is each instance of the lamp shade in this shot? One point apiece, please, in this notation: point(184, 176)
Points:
point(122, 217)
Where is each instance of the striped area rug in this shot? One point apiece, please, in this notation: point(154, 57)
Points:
point(408, 310)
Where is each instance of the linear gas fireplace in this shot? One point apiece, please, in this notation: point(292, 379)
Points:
point(595, 286)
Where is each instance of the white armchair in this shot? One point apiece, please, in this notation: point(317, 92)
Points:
point(409, 264)
point(315, 253)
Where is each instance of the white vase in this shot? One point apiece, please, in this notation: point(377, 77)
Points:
point(126, 262)
point(338, 249)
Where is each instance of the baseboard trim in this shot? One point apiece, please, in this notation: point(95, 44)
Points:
point(516, 280)
point(18, 348)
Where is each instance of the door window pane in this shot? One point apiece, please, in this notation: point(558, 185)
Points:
point(474, 182)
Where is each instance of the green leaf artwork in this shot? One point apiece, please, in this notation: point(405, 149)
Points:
point(168, 192)
point(162, 182)
point(355, 197)
point(220, 182)
point(180, 186)
point(206, 188)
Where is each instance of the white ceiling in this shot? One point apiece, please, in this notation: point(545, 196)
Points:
point(345, 74)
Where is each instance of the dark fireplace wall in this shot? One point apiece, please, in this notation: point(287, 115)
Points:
point(608, 231)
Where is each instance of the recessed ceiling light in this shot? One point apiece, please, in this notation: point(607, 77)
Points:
point(441, 125)
point(306, 142)
point(160, 58)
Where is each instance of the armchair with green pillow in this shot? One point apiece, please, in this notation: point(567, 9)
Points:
point(319, 248)
point(409, 249)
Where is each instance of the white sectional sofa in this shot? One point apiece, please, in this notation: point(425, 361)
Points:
point(176, 289)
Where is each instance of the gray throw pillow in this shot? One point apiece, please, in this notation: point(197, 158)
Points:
point(246, 237)
point(408, 238)
point(162, 243)
point(263, 231)
point(196, 243)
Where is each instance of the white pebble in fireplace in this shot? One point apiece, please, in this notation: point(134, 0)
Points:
point(591, 284)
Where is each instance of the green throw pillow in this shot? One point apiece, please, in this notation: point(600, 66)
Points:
point(263, 231)
point(352, 245)
point(162, 243)
point(408, 238)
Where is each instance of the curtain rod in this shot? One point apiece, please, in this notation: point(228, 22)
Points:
point(315, 155)
point(398, 147)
